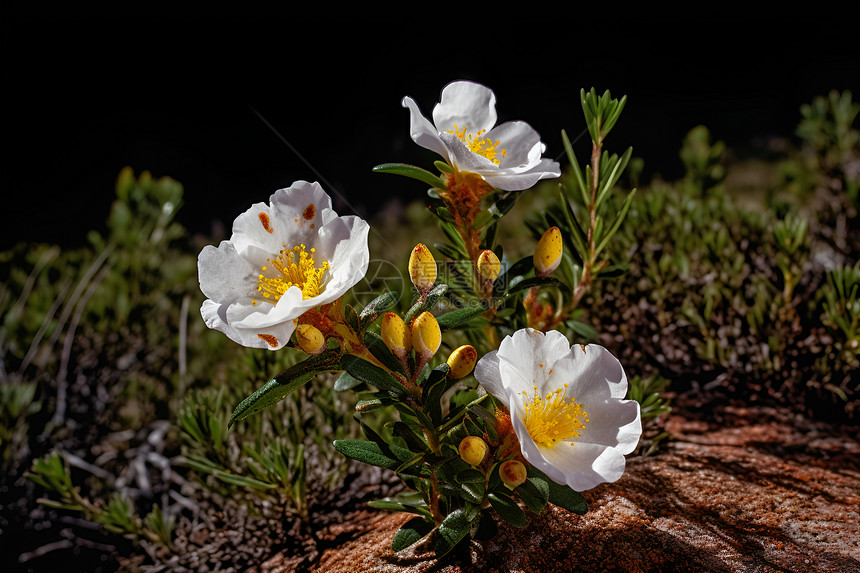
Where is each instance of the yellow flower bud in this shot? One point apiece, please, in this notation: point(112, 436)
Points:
point(462, 361)
point(395, 335)
point(548, 252)
point(489, 265)
point(310, 339)
point(422, 268)
point(513, 473)
point(426, 335)
point(473, 450)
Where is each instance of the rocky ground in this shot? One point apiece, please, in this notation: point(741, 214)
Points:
point(753, 489)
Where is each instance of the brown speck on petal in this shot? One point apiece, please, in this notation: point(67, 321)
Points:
point(264, 219)
point(309, 212)
point(582, 346)
point(269, 339)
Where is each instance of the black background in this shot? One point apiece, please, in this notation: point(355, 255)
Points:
point(236, 108)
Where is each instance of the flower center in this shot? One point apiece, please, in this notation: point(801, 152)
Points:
point(477, 144)
point(554, 418)
point(294, 267)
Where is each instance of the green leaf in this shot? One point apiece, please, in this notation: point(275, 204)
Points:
point(374, 343)
point(455, 317)
point(443, 167)
point(535, 282)
point(371, 404)
point(346, 382)
point(451, 252)
point(413, 442)
point(557, 494)
point(376, 307)
point(534, 498)
point(432, 390)
point(351, 317)
point(373, 375)
point(411, 171)
point(410, 533)
point(608, 183)
point(372, 453)
point(433, 296)
point(508, 509)
point(451, 531)
point(577, 172)
point(616, 223)
point(285, 383)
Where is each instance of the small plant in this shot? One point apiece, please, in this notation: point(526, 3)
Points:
point(466, 453)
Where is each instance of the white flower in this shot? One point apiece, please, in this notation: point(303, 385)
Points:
point(282, 260)
point(567, 405)
point(507, 156)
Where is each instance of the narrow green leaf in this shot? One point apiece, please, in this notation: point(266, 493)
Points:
point(374, 343)
point(346, 382)
point(450, 252)
point(453, 236)
point(451, 531)
point(413, 442)
point(443, 167)
point(376, 307)
point(371, 453)
point(576, 235)
point(369, 405)
point(609, 182)
point(455, 317)
point(410, 533)
point(411, 171)
point(535, 282)
point(242, 480)
point(429, 302)
point(285, 383)
point(616, 223)
point(577, 172)
point(373, 375)
point(351, 317)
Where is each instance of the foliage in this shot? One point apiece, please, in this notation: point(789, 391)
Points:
point(702, 296)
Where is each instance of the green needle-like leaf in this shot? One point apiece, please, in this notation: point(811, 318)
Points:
point(411, 171)
point(615, 224)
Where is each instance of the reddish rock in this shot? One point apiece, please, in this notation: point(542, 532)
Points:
point(756, 493)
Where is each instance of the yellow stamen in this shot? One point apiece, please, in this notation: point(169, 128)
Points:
point(295, 267)
point(554, 418)
point(476, 144)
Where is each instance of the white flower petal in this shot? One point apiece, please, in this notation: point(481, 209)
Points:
point(488, 375)
point(469, 108)
point(275, 337)
point(422, 131)
point(612, 423)
point(229, 275)
point(527, 357)
point(461, 157)
point(593, 373)
point(580, 466)
point(466, 105)
point(223, 274)
point(518, 139)
point(595, 380)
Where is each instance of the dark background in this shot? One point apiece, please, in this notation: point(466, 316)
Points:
point(234, 109)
